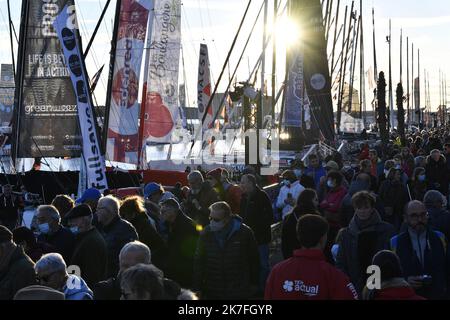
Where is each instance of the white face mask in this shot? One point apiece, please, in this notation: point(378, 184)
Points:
point(298, 173)
point(330, 184)
point(386, 173)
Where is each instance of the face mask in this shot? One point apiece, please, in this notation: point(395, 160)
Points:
point(422, 178)
point(386, 173)
point(75, 230)
point(216, 226)
point(44, 228)
point(285, 182)
point(330, 184)
point(298, 173)
point(398, 167)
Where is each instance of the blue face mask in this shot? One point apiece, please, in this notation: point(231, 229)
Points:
point(216, 226)
point(298, 173)
point(75, 230)
point(422, 177)
point(44, 228)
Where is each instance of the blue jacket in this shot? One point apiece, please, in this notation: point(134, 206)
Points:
point(78, 289)
point(436, 261)
point(316, 174)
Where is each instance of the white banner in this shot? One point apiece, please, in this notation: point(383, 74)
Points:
point(123, 141)
point(204, 87)
point(66, 27)
point(161, 104)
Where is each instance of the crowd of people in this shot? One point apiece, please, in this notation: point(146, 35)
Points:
point(387, 207)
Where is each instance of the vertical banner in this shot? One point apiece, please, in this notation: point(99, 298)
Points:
point(161, 102)
point(204, 87)
point(182, 98)
point(308, 14)
point(46, 121)
point(123, 133)
point(66, 27)
point(295, 90)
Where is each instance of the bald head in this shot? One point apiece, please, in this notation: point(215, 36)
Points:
point(416, 216)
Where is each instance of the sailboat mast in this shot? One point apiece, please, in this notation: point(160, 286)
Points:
point(362, 79)
point(112, 59)
point(11, 40)
point(274, 59)
point(418, 87)
point(407, 79)
point(391, 96)
point(374, 105)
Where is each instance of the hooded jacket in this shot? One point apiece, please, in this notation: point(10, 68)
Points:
point(358, 243)
point(77, 289)
point(227, 270)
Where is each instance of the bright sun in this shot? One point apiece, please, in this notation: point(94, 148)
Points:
point(287, 31)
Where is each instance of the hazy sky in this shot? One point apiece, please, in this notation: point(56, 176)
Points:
point(214, 22)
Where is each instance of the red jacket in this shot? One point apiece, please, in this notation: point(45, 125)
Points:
point(397, 293)
point(307, 276)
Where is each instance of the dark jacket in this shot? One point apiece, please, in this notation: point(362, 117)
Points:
point(228, 270)
point(62, 241)
point(9, 211)
point(117, 234)
point(206, 197)
point(181, 244)
point(107, 290)
point(439, 219)
point(257, 213)
point(438, 175)
point(289, 241)
point(91, 256)
point(394, 194)
point(418, 189)
point(19, 273)
point(358, 244)
point(149, 236)
point(436, 262)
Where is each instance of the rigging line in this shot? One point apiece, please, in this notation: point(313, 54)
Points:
point(201, 19)
point(104, 22)
point(239, 61)
point(223, 70)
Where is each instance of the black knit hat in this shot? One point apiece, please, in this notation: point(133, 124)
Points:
point(5, 234)
point(82, 210)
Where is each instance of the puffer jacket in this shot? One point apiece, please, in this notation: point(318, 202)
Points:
point(230, 271)
point(437, 174)
point(77, 289)
point(358, 245)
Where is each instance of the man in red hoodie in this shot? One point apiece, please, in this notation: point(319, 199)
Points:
point(307, 275)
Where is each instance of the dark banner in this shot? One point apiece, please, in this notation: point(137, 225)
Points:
point(317, 81)
point(47, 119)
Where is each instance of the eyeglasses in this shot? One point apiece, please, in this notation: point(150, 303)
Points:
point(418, 215)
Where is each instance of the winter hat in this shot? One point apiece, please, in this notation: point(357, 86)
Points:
point(151, 188)
point(216, 173)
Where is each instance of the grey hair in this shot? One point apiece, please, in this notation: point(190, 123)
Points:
point(137, 246)
point(111, 203)
point(51, 210)
point(195, 175)
point(51, 262)
point(433, 197)
point(187, 295)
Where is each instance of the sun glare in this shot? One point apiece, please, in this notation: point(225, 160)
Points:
point(287, 31)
